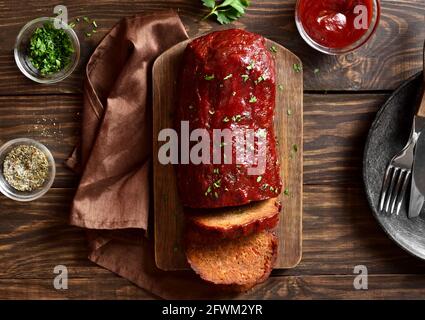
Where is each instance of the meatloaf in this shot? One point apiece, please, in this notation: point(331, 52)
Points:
point(235, 222)
point(227, 81)
point(245, 262)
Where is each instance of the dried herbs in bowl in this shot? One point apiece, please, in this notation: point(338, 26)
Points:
point(27, 169)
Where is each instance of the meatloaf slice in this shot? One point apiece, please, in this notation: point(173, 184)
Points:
point(234, 222)
point(228, 82)
point(241, 263)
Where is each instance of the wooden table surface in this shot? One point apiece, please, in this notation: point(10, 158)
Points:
point(341, 101)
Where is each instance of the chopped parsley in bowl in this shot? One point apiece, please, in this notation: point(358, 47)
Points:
point(44, 53)
point(50, 49)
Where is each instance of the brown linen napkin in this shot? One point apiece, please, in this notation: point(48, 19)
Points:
point(114, 191)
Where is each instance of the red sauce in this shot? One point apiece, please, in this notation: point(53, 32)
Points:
point(330, 23)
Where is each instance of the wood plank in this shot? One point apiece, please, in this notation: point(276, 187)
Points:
point(340, 287)
point(338, 226)
point(335, 130)
point(339, 233)
point(393, 55)
point(276, 288)
point(81, 288)
point(35, 237)
point(168, 212)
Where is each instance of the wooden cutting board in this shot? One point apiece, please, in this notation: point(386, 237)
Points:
point(168, 212)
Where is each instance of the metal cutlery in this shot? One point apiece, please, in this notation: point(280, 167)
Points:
point(399, 171)
point(417, 189)
point(397, 176)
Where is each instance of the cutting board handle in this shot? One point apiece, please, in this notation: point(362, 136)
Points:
point(421, 109)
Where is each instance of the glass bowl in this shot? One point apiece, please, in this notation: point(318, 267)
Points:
point(336, 51)
point(21, 57)
point(17, 195)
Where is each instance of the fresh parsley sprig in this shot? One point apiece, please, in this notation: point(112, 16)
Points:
point(226, 11)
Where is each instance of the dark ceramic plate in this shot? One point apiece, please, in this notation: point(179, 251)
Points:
point(387, 136)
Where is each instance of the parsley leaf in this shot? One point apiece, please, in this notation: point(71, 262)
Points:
point(297, 67)
point(273, 49)
point(253, 99)
point(226, 11)
point(251, 66)
point(209, 3)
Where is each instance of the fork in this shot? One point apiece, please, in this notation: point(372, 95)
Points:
point(398, 174)
point(396, 178)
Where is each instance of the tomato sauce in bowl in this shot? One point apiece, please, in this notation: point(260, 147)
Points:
point(337, 26)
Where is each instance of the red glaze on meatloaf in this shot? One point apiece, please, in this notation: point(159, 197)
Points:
point(228, 81)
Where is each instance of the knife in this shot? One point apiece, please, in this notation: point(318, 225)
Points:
point(417, 187)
